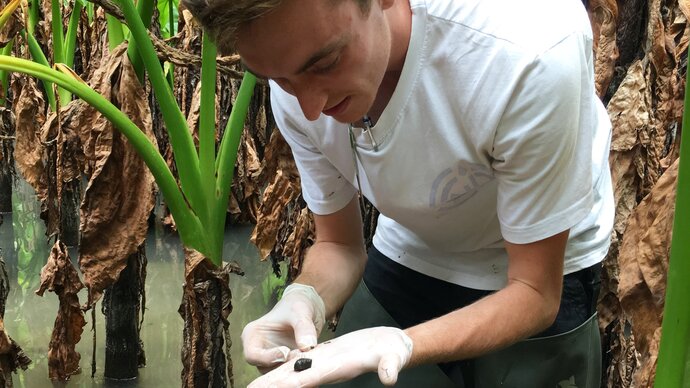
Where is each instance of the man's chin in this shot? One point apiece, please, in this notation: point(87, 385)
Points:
point(351, 116)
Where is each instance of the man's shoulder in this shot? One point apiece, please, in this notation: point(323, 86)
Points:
point(529, 25)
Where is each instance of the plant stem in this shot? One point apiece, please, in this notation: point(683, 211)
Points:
point(71, 37)
point(186, 158)
point(145, 10)
point(39, 57)
point(115, 34)
point(33, 16)
point(58, 44)
point(207, 124)
point(4, 75)
point(227, 156)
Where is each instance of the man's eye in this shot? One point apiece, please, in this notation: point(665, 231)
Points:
point(328, 66)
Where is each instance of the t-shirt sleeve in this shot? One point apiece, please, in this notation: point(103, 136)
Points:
point(542, 149)
point(324, 188)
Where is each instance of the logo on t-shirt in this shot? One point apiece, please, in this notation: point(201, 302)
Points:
point(455, 185)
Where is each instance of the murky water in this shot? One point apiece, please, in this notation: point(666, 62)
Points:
point(29, 318)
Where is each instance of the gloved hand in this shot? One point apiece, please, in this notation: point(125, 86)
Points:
point(383, 349)
point(294, 323)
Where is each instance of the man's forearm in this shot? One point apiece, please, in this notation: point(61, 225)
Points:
point(334, 270)
point(500, 319)
point(527, 305)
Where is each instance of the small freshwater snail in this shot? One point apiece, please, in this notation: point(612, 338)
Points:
point(302, 364)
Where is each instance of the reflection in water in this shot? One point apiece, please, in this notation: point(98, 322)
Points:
point(29, 318)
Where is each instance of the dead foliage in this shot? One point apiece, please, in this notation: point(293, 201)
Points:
point(281, 221)
point(603, 14)
point(641, 60)
point(12, 357)
point(7, 169)
point(120, 193)
point(206, 305)
point(60, 276)
point(29, 152)
point(93, 43)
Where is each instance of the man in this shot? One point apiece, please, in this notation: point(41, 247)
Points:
point(473, 127)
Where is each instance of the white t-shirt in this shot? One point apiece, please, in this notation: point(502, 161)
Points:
point(493, 132)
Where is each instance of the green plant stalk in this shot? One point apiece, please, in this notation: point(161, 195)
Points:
point(170, 75)
point(89, 10)
point(171, 27)
point(186, 158)
point(115, 34)
point(145, 9)
point(39, 57)
point(71, 36)
point(4, 75)
point(207, 123)
point(58, 44)
point(56, 27)
point(171, 22)
point(227, 156)
point(673, 367)
point(33, 16)
point(190, 228)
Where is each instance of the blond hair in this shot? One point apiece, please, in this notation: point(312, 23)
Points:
point(223, 18)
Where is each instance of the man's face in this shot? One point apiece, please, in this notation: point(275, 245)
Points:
point(329, 55)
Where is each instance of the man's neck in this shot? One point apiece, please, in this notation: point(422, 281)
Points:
point(385, 92)
point(400, 21)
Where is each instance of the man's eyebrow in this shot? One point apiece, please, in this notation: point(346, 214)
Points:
point(324, 52)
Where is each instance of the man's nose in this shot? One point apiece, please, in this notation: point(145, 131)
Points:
point(312, 99)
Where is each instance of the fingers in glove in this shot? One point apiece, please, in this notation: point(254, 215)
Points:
point(266, 358)
point(389, 367)
point(285, 376)
point(305, 333)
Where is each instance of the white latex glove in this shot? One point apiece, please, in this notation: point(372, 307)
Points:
point(295, 322)
point(383, 349)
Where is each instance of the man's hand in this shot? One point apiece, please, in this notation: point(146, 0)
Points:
point(383, 349)
point(294, 323)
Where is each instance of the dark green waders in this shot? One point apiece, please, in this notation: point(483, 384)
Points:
point(567, 360)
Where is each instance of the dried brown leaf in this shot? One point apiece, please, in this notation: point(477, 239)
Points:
point(5, 341)
point(301, 238)
point(93, 42)
point(604, 15)
point(281, 192)
point(60, 277)
point(12, 357)
point(278, 157)
point(29, 108)
point(120, 194)
point(629, 109)
point(643, 262)
point(246, 189)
